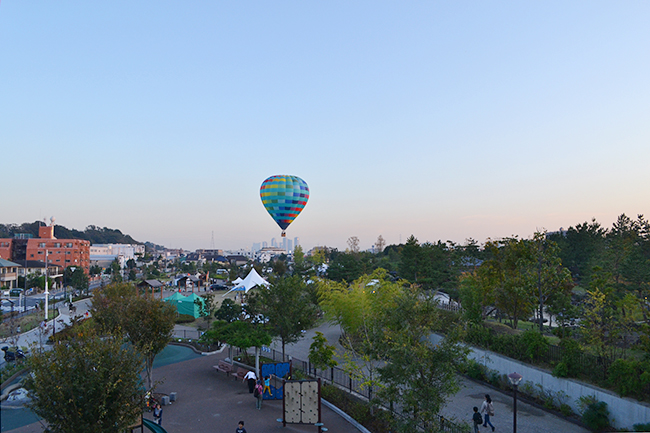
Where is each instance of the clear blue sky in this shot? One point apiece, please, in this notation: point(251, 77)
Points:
point(442, 119)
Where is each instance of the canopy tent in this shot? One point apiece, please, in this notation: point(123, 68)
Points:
point(185, 304)
point(237, 281)
point(252, 279)
point(176, 297)
point(188, 306)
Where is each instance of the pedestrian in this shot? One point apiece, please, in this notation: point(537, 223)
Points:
point(478, 420)
point(157, 414)
point(252, 379)
point(240, 428)
point(488, 409)
point(258, 394)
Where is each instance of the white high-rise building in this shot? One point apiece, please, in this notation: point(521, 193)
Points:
point(296, 241)
point(274, 243)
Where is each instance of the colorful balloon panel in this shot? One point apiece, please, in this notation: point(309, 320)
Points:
point(284, 197)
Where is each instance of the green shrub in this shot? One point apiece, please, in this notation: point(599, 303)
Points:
point(566, 410)
point(596, 417)
point(535, 344)
point(571, 353)
point(561, 370)
point(185, 318)
point(623, 377)
point(475, 370)
point(642, 427)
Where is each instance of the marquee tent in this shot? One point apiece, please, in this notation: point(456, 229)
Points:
point(252, 279)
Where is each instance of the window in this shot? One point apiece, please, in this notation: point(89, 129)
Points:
point(31, 255)
point(68, 245)
point(41, 245)
point(40, 252)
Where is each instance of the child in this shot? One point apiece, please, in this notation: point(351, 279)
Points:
point(267, 384)
point(259, 395)
point(478, 420)
point(241, 428)
point(157, 414)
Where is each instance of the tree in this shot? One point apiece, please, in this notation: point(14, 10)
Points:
point(229, 311)
point(144, 321)
point(116, 277)
point(301, 266)
point(353, 244)
point(206, 308)
point(89, 384)
point(410, 260)
point(380, 244)
point(79, 279)
point(239, 334)
point(360, 309)
point(321, 354)
point(287, 306)
point(418, 375)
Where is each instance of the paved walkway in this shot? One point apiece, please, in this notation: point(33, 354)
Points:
point(529, 418)
point(209, 401)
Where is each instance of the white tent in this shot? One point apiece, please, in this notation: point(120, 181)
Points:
point(252, 279)
point(237, 281)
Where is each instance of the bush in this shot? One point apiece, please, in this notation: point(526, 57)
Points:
point(561, 370)
point(475, 370)
point(566, 410)
point(627, 377)
point(185, 318)
point(642, 427)
point(571, 352)
point(596, 417)
point(536, 345)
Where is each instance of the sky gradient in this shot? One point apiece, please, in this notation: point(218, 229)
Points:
point(445, 120)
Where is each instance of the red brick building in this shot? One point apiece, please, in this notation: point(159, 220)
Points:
point(60, 252)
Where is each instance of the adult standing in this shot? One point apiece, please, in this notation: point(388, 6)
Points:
point(488, 409)
point(252, 380)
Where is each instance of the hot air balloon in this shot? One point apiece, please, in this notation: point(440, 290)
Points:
point(284, 197)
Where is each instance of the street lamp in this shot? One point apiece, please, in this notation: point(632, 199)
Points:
point(515, 378)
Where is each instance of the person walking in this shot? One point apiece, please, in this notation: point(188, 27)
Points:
point(240, 427)
point(252, 379)
point(157, 414)
point(258, 394)
point(477, 419)
point(488, 409)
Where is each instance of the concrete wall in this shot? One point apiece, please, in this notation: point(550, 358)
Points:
point(624, 412)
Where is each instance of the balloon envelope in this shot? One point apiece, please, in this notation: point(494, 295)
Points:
point(284, 197)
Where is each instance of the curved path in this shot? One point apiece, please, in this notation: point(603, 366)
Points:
point(529, 418)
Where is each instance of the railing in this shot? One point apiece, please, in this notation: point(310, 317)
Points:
point(187, 334)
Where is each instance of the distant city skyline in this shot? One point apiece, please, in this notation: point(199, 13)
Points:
point(442, 120)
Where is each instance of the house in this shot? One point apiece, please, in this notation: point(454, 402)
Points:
point(8, 274)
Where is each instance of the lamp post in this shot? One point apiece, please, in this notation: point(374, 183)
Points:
point(515, 378)
point(47, 293)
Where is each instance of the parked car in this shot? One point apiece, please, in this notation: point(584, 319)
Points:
point(15, 292)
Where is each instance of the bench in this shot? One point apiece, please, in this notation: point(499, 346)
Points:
point(241, 372)
point(223, 366)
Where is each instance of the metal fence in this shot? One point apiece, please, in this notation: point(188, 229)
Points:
point(345, 381)
point(187, 334)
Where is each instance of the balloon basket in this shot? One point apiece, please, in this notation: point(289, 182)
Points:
point(284, 234)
